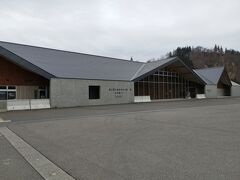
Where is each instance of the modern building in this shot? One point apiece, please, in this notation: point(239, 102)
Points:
point(217, 81)
point(70, 79)
point(235, 90)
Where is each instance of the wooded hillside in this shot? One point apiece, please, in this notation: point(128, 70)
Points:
point(200, 57)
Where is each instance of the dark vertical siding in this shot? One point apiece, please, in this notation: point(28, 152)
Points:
point(11, 74)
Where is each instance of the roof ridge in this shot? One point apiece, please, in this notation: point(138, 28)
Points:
point(140, 68)
point(74, 52)
point(160, 60)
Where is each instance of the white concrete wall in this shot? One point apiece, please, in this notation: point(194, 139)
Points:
point(142, 99)
point(39, 103)
point(200, 96)
point(3, 105)
point(75, 92)
point(211, 91)
point(18, 105)
point(27, 104)
point(220, 92)
point(235, 91)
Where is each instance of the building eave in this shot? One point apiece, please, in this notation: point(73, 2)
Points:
point(10, 56)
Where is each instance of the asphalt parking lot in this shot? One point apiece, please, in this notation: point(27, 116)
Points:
point(198, 139)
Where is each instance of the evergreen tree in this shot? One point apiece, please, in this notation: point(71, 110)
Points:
point(221, 50)
point(215, 48)
point(184, 54)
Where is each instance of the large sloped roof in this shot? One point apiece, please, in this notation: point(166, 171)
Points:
point(64, 64)
point(210, 75)
point(52, 63)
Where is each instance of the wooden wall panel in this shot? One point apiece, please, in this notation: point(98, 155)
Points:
point(11, 74)
point(26, 92)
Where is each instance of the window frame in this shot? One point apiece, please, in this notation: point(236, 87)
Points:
point(91, 89)
point(8, 90)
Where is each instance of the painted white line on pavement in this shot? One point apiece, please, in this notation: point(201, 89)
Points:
point(40, 163)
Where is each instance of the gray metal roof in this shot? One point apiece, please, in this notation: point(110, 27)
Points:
point(150, 66)
point(64, 64)
point(210, 76)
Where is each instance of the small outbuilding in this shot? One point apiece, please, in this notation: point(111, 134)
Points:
point(218, 83)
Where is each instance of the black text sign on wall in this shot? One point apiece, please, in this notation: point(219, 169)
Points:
point(118, 92)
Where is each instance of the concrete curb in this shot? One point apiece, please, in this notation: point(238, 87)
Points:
point(47, 169)
point(4, 121)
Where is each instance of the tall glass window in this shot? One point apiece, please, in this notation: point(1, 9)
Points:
point(165, 84)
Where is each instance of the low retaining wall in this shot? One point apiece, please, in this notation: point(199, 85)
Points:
point(18, 105)
point(142, 99)
point(39, 104)
point(201, 96)
point(23, 104)
point(3, 106)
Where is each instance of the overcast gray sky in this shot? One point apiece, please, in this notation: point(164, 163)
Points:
point(121, 28)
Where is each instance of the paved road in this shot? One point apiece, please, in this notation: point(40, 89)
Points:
point(58, 114)
point(12, 164)
point(172, 140)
